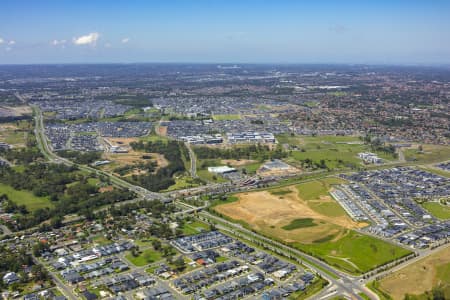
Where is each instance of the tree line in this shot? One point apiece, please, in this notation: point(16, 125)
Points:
point(82, 158)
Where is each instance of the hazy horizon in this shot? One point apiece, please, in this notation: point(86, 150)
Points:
point(273, 32)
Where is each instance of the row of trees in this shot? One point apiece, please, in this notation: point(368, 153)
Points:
point(82, 158)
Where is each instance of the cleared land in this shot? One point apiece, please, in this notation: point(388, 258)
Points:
point(210, 177)
point(237, 162)
point(420, 276)
point(183, 182)
point(308, 218)
point(131, 157)
point(12, 134)
point(438, 210)
point(16, 110)
point(336, 151)
point(195, 227)
point(269, 213)
point(226, 117)
point(429, 153)
point(283, 171)
point(144, 258)
point(161, 130)
point(26, 198)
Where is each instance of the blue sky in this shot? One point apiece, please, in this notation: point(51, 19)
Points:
point(340, 31)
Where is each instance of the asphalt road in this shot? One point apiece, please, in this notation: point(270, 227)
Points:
point(50, 155)
point(346, 284)
point(193, 159)
point(67, 291)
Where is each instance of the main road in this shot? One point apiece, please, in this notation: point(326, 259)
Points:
point(349, 287)
point(341, 283)
point(51, 156)
point(193, 159)
point(344, 283)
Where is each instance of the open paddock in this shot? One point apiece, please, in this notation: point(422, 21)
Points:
point(306, 217)
point(419, 277)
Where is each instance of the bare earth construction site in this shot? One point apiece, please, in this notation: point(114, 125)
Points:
point(306, 217)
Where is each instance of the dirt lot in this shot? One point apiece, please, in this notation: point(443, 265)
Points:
point(135, 157)
point(132, 157)
point(267, 212)
point(10, 133)
point(15, 111)
point(8, 126)
point(21, 110)
point(161, 130)
point(278, 172)
point(237, 163)
point(416, 278)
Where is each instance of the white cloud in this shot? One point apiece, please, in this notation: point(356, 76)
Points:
point(125, 40)
point(89, 39)
point(58, 42)
point(8, 49)
point(107, 45)
point(12, 42)
point(2, 41)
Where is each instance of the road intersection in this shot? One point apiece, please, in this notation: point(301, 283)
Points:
point(340, 283)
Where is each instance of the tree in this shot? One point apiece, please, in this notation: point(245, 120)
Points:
point(156, 245)
point(167, 251)
point(56, 221)
point(135, 251)
point(180, 264)
point(39, 272)
point(40, 247)
point(212, 227)
point(438, 293)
